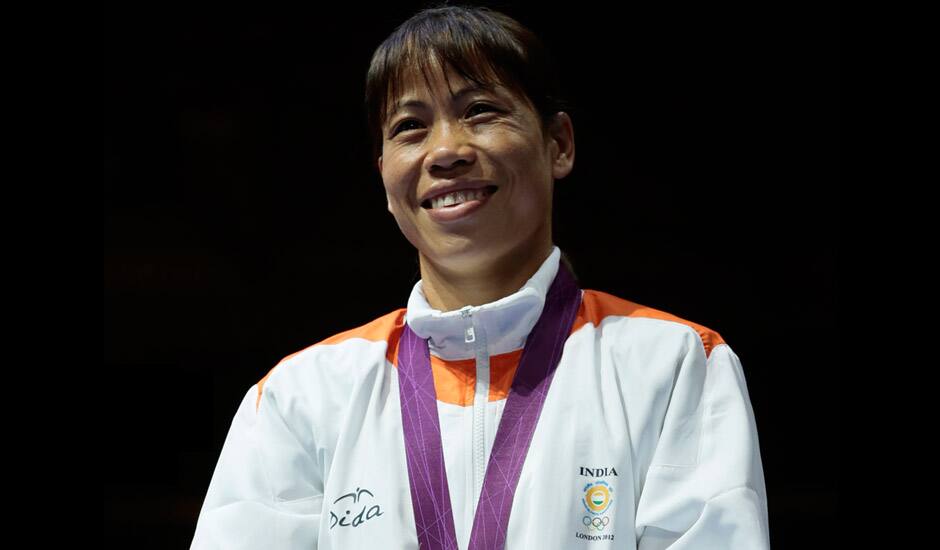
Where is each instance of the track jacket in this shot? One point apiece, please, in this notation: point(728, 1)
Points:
point(647, 438)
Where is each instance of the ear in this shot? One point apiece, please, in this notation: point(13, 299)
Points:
point(562, 136)
point(380, 164)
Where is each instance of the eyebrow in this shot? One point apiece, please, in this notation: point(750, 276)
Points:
point(460, 93)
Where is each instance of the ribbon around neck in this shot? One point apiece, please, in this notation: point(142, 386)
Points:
point(430, 494)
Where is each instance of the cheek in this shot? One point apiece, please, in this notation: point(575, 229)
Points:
point(521, 150)
point(395, 185)
point(398, 175)
point(525, 162)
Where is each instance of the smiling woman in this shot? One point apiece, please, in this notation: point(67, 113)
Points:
point(469, 134)
point(616, 424)
point(486, 47)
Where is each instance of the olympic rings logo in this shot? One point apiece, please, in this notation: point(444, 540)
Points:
point(596, 524)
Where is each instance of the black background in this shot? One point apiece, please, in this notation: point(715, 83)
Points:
point(245, 220)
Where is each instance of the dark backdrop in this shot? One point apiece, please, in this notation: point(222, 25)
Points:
point(245, 220)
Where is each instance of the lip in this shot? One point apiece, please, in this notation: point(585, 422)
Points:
point(445, 187)
point(449, 214)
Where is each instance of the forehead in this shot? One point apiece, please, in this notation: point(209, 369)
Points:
point(413, 90)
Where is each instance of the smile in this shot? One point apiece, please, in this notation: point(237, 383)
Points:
point(459, 204)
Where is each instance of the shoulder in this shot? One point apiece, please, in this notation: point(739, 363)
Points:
point(337, 356)
point(599, 308)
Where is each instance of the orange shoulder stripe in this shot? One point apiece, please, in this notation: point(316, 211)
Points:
point(455, 380)
point(596, 305)
point(387, 327)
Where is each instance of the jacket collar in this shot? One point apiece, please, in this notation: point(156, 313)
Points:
point(502, 325)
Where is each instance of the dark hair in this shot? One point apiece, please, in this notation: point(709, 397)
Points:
point(482, 45)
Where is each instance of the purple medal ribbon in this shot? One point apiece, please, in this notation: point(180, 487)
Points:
point(430, 495)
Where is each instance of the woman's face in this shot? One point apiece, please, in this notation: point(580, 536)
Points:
point(489, 136)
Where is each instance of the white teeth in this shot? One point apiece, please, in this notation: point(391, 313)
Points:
point(458, 197)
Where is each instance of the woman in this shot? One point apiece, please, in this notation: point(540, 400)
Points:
point(504, 406)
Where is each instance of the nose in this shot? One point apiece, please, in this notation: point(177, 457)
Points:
point(449, 145)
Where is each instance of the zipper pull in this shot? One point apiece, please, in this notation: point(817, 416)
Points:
point(468, 335)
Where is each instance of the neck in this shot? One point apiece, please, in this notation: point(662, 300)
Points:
point(447, 289)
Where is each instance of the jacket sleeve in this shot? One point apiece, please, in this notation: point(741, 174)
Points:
point(704, 488)
point(267, 488)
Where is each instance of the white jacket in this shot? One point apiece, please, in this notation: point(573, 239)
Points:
point(647, 423)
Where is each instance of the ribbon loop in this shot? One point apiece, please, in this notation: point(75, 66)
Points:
point(430, 494)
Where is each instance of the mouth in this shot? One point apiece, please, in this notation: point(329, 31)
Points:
point(459, 212)
point(429, 204)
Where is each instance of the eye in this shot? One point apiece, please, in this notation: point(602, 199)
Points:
point(475, 105)
point(400, 128)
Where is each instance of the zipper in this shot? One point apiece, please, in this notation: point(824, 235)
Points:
point(468, 335)
point(476, 340)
